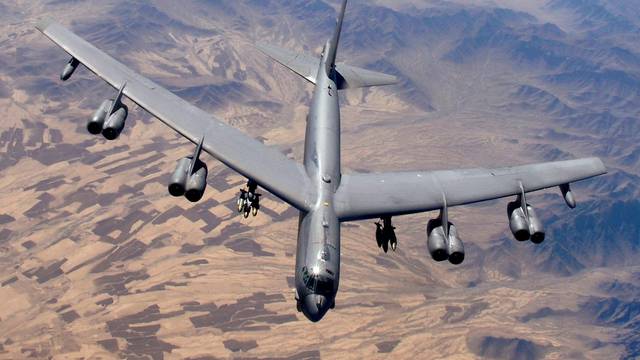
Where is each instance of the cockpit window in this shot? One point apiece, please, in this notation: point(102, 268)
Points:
point(324, 286)
point(318, 284)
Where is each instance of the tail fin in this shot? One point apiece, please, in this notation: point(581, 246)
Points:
point(332, 45)
point(348, 77)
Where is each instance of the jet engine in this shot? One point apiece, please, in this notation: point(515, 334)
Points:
point(197, 182)
point(188, 182)
point(518, 221)
point(115, 123)
point(436, 242)
point(178, 182)
point(95, 124)
point(525, 226)
point(443, 247)
point(535, 226)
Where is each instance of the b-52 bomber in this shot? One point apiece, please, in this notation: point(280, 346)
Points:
point(317, 188)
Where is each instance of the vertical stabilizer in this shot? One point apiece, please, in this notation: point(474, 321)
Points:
point(332, 45)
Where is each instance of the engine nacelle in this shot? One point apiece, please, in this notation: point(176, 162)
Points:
point(518, 221)
point(178, 183)
point(456, 248)
point(96, 123)
point(536, 228)
point(115, 123)
point(442, 248)
point(68, 70)
point(197, 182)
point(436, 241)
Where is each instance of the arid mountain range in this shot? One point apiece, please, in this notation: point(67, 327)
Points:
point(97, 261)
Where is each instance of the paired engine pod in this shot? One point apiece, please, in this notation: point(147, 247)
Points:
point(442, 248)
point(95, 124)
point(178, 182)
point(197, 182)
point(518, 221)
point(115, 124)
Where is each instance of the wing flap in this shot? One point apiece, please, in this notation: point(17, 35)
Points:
point(267, 166)
point(364, 196)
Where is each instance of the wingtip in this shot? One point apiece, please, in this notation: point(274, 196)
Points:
point(43, 24)
point(598, 166)
point(262, 47)
point(601, 166)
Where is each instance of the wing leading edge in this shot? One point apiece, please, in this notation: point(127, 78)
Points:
point(365, 196)
point(268, 167)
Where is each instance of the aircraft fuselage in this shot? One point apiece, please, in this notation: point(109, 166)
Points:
point(318, 250)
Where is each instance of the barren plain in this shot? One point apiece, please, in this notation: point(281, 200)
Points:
point(97, 261)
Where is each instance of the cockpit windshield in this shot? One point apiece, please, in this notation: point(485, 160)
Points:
point(317, 283)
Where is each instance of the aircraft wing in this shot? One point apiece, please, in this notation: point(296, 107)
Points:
point(365, 196)
point(267, 166)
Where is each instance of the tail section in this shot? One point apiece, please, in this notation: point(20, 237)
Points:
point(348, 77)
point(331, 48)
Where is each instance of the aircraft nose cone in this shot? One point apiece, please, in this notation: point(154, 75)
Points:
point(315, 307)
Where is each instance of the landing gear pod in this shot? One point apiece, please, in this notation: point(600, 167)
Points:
point(567, 194)
point(69, 69)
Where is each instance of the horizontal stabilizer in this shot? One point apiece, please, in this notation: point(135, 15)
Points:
point(349, 77)
point(303, 65)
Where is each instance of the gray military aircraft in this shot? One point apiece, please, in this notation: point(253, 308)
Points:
point(317, 188)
